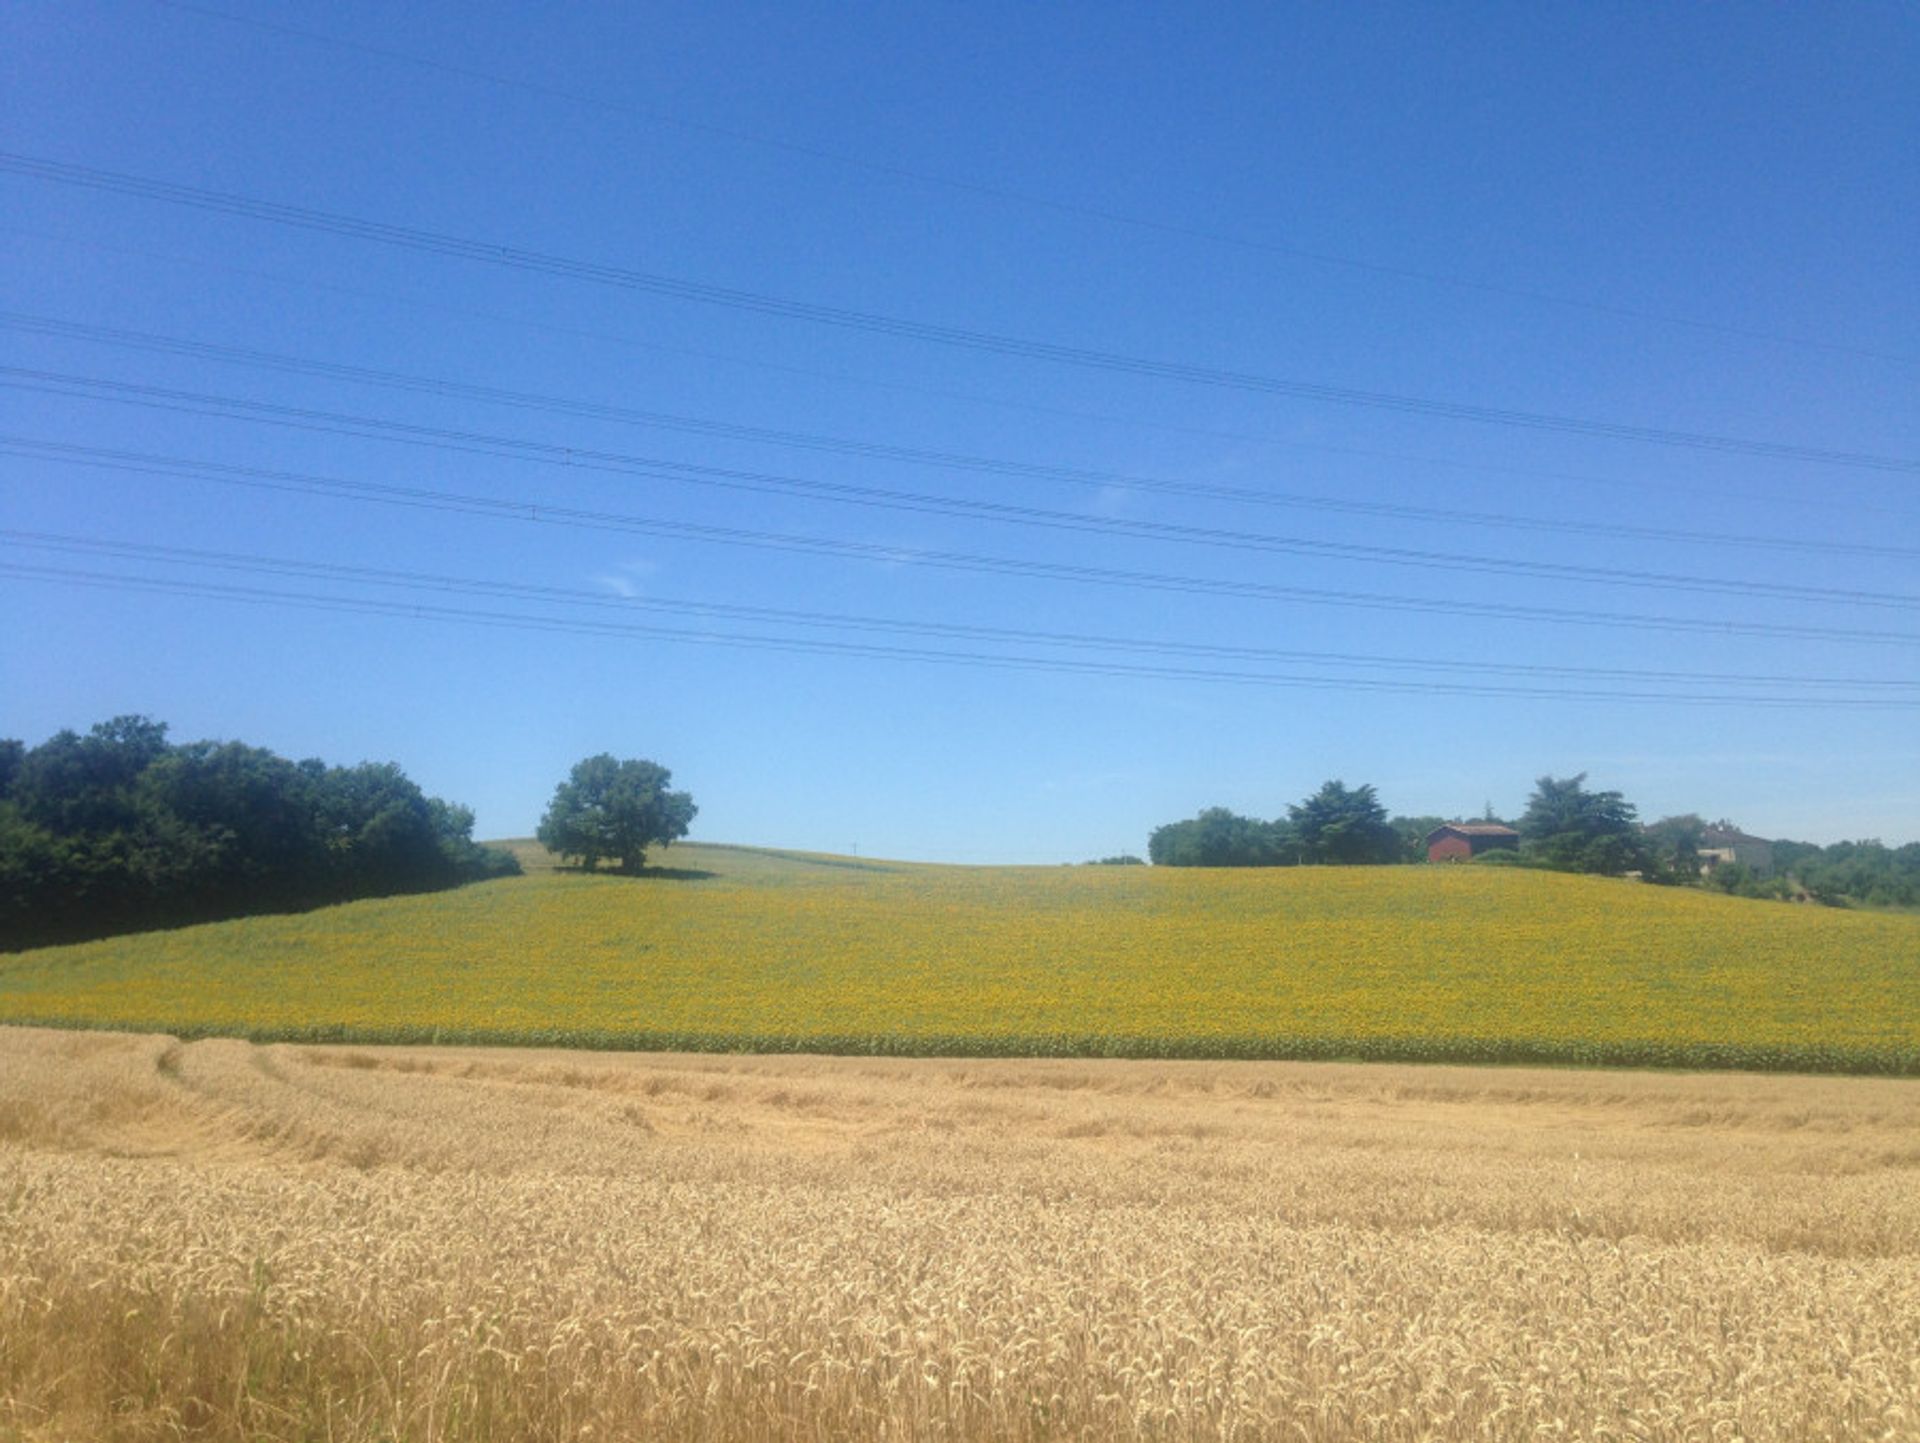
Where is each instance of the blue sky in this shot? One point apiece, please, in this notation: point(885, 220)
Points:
point(1685, 221)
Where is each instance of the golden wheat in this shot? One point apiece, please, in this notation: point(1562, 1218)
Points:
point(225, 1241)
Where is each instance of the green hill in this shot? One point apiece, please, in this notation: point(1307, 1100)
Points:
point(742, 948)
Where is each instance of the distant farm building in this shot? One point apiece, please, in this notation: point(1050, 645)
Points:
point(1457, 841)
point(1723, 843)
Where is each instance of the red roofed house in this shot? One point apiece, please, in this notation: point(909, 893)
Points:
point(1457, 841)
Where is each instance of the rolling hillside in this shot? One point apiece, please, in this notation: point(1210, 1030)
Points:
point(731, 948)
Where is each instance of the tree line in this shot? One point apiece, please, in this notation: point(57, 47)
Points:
point(1868, 872)
point(122, 830)
point(1566, 827)
point(1337, 825)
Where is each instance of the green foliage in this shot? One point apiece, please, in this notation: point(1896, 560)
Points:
point(119, 830)
point(12, 753)
point(1509, 857)
point(74, 785)
point(1125, 859)
point(1673, 849)
point(1570, 829)
point(1737, 879)
point(228, 821)
point(1335, 826)
point(614, 810)
point(1790, 856)
point(1869, 873)
point(1413, 832)
point(1847, 874)
point(1221, 838)
point(1343, 827)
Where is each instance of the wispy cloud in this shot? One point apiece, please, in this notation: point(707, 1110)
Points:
point(896, 557)
point(624, 580)
point(1114, 501)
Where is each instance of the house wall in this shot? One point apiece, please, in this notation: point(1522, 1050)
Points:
point(1449, 849)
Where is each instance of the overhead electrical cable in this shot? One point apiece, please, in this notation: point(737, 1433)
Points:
point(841, 621)
point(1111, 480)
point(1016, 196)
point(542, 513)
point(518, 258)
point(1532, 474)
point(820, 647)
point(690, 473)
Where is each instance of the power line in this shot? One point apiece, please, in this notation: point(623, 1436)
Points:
point(541, 513)
point(1531, 474)
point(627, 415)
point(1040, 202)
point(690, 473)
point(840, 621)
point(513, 257)
point(817, 647)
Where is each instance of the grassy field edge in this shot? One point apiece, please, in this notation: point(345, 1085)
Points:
point(1816, 1059)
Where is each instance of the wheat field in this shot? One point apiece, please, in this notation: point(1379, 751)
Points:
point(221, 1240)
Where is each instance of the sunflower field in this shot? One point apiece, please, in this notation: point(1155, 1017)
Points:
point(734, 949)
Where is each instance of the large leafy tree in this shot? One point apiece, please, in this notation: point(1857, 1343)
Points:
point(1344, 826)
point(612, 810)
point(222, 821)
point(1570, 828)
point(382, 831)
point(1218, 838)
point(1673, 848)
point(120, 829)
point(74, 784)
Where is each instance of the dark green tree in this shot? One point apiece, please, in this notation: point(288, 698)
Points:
point(1673, 848)
point(74, 784)
point(119, 830)
point(1344, 826)
point(1789, 855)
point(1867, 873)
point(1572, 829)
point(379, 831)
point(1219, 838)
point(460, 854)
point(612, 810)
point(1413, 833)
